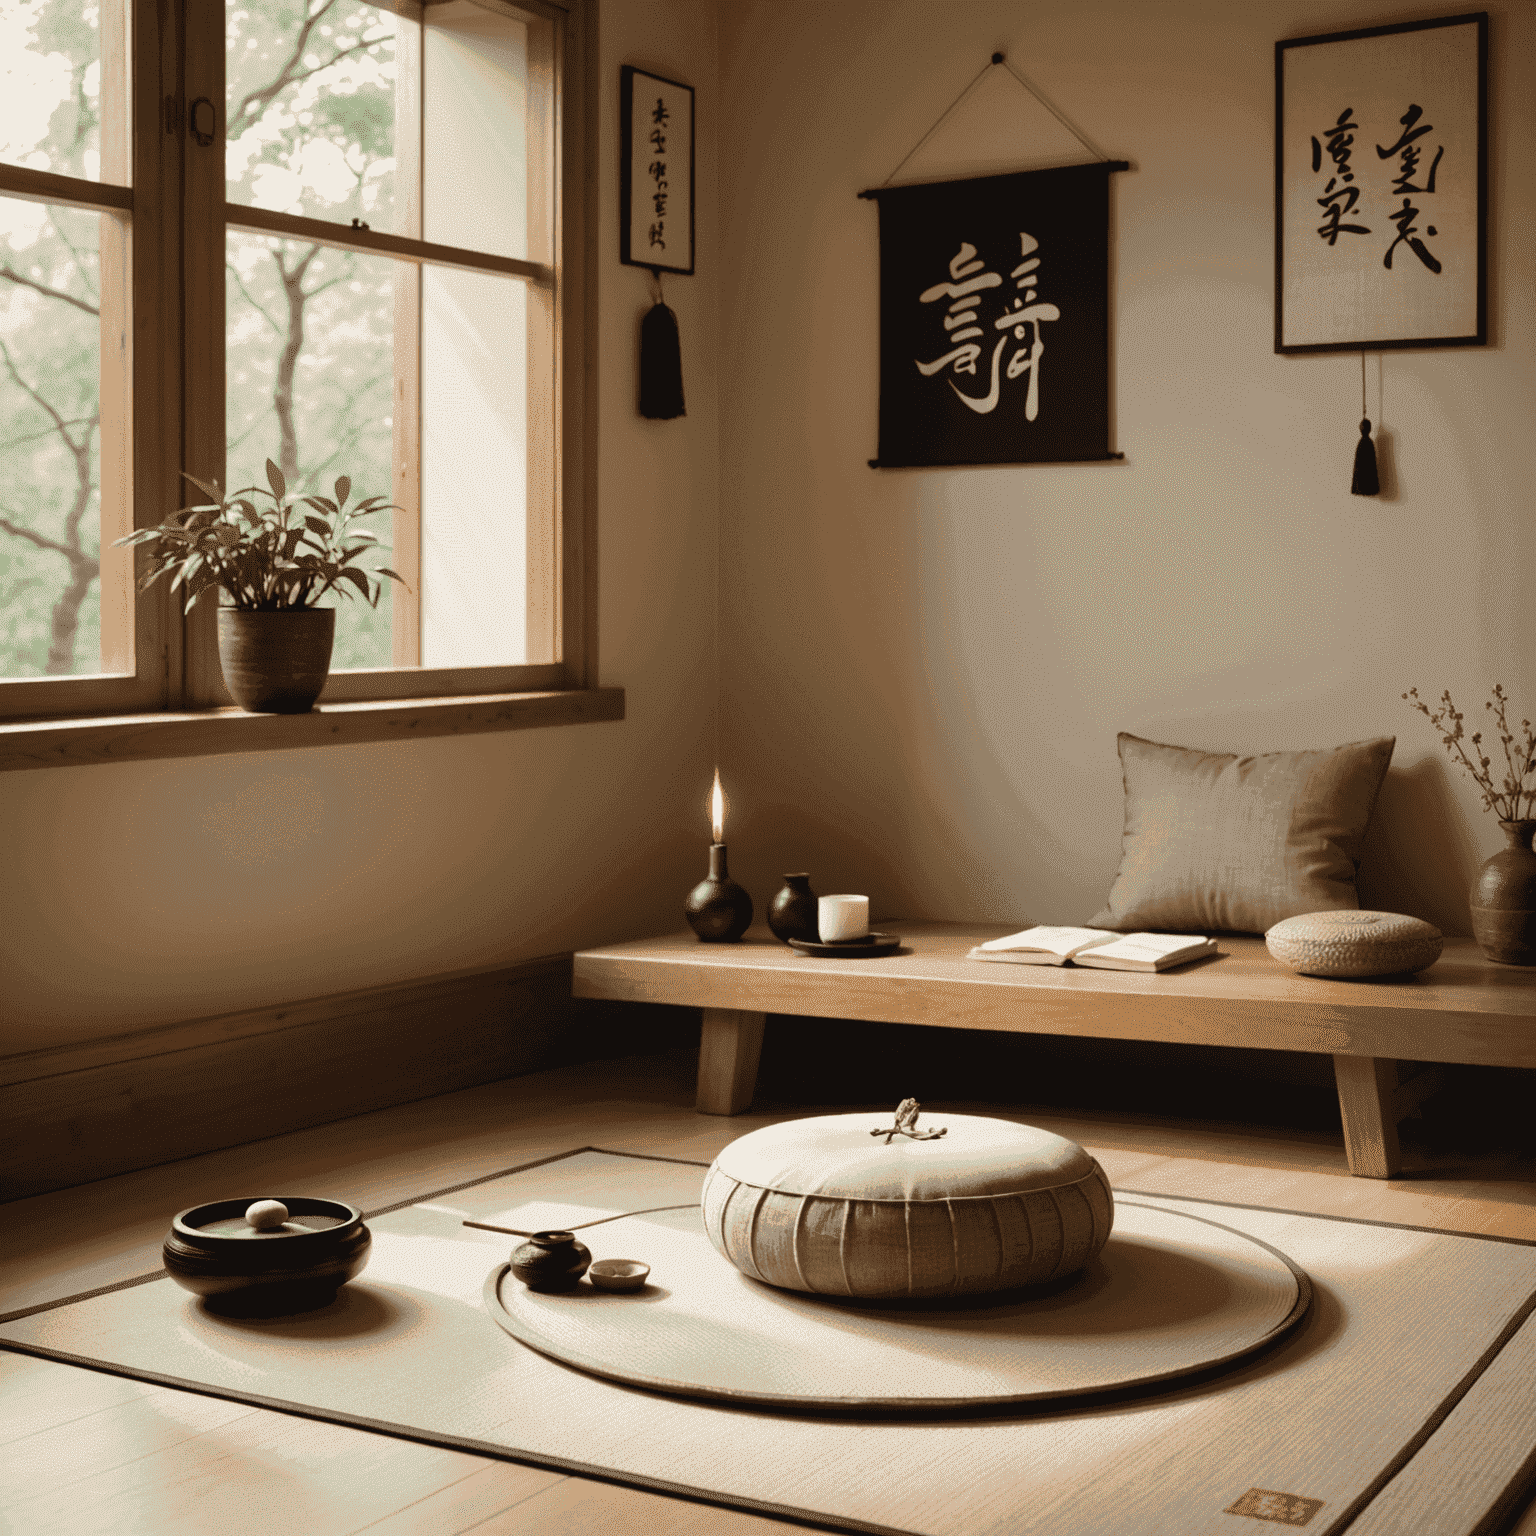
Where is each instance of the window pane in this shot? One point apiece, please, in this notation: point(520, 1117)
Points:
point(63, 87)
point(309, 374)
point(475, 131)
point(474, 470)
point(50, 450)
point(311, 108)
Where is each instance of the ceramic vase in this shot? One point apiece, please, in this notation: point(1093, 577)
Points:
point(718, 909)
point(1504, 899)
point(551, 1261)
point(792, 913)
point(276, 663)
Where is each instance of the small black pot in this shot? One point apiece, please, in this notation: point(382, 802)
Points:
point(793, 912)
point(551, 1261)
point(718, 909)
point(276, 663)
point(211, 1251)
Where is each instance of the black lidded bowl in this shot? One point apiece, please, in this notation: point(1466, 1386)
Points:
point(213, 1251)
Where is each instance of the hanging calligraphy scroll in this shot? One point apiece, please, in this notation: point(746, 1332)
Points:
point(655, 172)
point(1381, 187)
point(994, 319)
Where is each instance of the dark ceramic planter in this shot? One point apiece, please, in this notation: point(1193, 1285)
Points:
point(212, 1251)
point(1504, 899)
point(551, 1261)
point(276, 663)
point(793, 914)
point(718, 909)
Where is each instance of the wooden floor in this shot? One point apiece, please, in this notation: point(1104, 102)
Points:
point(89, 1452)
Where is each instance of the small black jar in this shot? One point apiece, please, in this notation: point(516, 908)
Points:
point(793, 912)
point(551, 1261)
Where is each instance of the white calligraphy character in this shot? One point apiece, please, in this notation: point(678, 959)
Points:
point(1025, 320)
point(961, 323)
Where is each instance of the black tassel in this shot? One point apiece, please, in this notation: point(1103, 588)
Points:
point(1365, 482)
point(661, 365)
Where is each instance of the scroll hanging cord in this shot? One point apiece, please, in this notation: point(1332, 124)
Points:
point(999, 58)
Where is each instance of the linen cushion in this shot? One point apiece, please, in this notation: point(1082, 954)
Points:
point(820, 1204)
point(1218, 842)
point(1355, 943)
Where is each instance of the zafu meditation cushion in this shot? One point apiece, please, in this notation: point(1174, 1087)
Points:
point(1215, 842)
point(1354, 943)
point(823, 1205)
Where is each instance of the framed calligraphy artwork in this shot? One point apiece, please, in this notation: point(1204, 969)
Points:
point(1381, 187)
point(655, 172)
point(994, 319)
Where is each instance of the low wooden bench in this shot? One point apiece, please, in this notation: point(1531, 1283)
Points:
point(1464, 1009)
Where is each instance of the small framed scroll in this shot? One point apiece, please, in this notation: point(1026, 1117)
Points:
point(1381, 178)
point(655, 172)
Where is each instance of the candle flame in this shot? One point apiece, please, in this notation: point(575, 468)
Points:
point(717, 809)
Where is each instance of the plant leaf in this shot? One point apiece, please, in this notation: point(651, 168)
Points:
point(207, 487)
point(276, 481)
point(343, 489)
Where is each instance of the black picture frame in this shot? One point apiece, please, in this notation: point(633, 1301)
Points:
point(1381, 187)
point(655, 205)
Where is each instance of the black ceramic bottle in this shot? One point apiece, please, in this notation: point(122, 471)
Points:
point(551, 1261)
point(718, 909)
point(793, 913)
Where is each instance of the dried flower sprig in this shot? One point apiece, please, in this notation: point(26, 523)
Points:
point(1519, 755)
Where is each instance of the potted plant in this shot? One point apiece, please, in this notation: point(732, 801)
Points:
point(1504, 898)
point(273, 563)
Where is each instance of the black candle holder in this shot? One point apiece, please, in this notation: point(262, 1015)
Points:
point(718, 909)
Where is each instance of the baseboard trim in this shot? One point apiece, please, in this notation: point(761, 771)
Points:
point(74, 1113)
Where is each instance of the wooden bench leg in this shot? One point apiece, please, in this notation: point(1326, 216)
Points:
point(729, 1049)
point(1368, 1103)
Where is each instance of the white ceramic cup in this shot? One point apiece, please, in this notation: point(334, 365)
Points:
point(839, 918)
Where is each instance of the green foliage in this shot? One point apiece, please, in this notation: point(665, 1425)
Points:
point(311, 108)
point(310, 330)
point(267, 558)
point(50, 365)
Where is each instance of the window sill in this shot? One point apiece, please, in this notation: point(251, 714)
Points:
point(198, 733)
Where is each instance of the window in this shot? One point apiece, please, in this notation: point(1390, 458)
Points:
point(332, 233)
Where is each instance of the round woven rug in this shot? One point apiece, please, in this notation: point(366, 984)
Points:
point(1169, 1296)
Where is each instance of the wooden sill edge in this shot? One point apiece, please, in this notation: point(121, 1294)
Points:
point(86, 740)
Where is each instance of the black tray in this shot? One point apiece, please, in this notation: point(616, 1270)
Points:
point(855, 949)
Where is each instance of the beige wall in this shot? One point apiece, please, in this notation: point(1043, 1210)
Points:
point(925, 670)
point(147, 893)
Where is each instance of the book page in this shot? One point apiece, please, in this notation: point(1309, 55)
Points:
point(1052, 941)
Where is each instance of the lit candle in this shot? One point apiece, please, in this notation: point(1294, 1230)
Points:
point(718, 910)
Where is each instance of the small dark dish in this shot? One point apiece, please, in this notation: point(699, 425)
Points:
point(213, 1251)
point(864, 948)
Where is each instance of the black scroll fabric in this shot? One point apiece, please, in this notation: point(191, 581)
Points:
point(994, 319)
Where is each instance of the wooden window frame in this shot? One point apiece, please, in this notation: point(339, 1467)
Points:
point(178, 211)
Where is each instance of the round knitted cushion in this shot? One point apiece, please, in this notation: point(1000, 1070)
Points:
point(1354, 943)
point(822, 1205)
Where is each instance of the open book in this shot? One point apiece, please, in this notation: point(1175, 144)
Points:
point(1095, 947)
